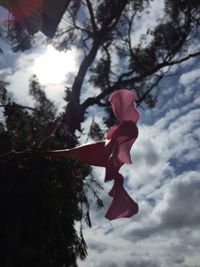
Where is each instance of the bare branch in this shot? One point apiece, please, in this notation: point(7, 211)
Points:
point(90, 9)
point(114, 18)
point(97, 42)
point(124, 83)
point(87, 61)
point(183, 59)
point(76, 26)
point(157, 68)
point(153, 85)
point(109, 64)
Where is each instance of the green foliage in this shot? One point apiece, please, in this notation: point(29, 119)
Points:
point(40, 201)
point(41, 198)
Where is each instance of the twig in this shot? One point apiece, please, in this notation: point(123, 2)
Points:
point(32, 154)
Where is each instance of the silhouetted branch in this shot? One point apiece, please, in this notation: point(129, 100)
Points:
point(123, 83)
point(153, 85)
point(24, 107)
point(90, 9)
point(97, 42)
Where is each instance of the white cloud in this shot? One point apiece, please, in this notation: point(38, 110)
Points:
point(18, 75)
point(164, 179)
point(190, 77)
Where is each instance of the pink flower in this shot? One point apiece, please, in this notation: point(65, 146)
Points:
point(121, 139)
point(115, 152)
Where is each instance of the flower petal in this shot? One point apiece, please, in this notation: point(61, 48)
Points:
point(112, 168)
point(122, 139)
point(123, 106)
point(122, 206)
point(91, 154)
point(111, 132)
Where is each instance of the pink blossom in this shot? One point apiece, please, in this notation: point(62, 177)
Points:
point(115, 152)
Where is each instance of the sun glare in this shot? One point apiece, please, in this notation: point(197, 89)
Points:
point(53, 66)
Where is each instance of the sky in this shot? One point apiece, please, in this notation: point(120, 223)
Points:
point(164, 177)
point(164, 180)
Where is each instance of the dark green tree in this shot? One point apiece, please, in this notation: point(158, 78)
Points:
point(40, 198)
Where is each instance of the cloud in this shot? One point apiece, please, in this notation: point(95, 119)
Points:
point(107, 263)
point(164, 179)
point(141, 264)
point(176, 210)
point(97, 245)
point(190, 77)
point(18, 69)
point(180, 202)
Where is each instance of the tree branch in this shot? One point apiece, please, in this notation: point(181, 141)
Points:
point(32, 154)
point(124, 83)
point(142, 98)
point(183, 59)
point(108, 65)
point(90, 9)
point(24, 107)
point(87, 61)
point(99, 37)
point(76, 26)
point(112, 21)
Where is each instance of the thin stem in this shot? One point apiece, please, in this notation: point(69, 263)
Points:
point(31, 154)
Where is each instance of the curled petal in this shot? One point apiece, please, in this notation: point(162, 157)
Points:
point(123, 106)
point(122, 206)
